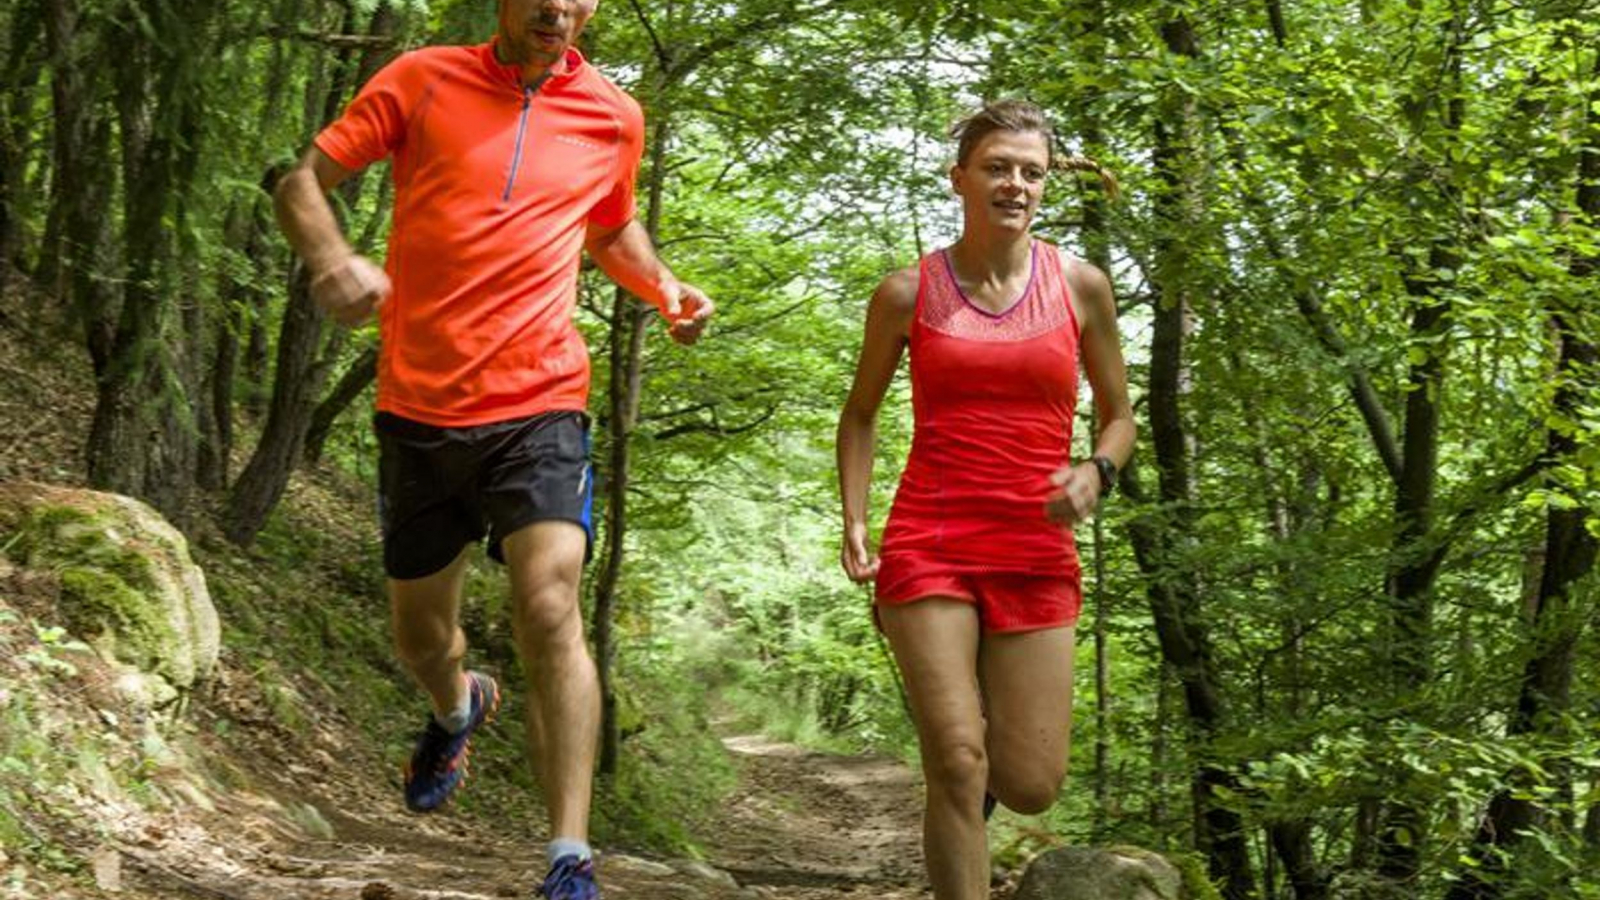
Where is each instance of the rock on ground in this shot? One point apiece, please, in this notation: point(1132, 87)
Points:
point(127, 584)
point(1085, 873)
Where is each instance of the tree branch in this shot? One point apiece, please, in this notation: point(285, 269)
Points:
point(663, 59)
point(327, 39)
point(715, 427)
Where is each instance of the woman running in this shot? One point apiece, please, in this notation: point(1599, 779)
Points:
point(977, 576)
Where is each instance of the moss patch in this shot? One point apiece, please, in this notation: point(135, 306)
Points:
point(64, 535)
point(93, 599)
point(105, 586)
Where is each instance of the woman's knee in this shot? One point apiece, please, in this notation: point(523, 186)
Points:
point(1029, 793)
point(958, 764)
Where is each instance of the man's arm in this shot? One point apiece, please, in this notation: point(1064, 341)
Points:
point(345, 284)
point(627, 256)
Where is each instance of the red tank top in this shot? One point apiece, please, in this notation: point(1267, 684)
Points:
point(993, 395)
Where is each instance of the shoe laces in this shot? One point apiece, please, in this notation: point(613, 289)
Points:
point(570, 878)
point(433, 747)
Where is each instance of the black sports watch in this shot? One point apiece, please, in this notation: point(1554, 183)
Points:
point(1108, 473)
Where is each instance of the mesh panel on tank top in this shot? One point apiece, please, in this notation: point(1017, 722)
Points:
point(945, 309)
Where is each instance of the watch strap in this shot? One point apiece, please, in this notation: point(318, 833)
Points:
point(1108, 473)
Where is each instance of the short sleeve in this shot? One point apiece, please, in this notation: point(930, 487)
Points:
point(374, 124)
point(616, 208)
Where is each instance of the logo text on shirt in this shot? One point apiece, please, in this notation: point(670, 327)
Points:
point(577, 142)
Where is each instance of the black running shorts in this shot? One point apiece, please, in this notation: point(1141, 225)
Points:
point(440, 489)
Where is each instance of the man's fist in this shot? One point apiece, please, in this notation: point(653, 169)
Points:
point(351, 289)
point(687, 309)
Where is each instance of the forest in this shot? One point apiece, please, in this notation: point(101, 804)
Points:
point(1339, 636)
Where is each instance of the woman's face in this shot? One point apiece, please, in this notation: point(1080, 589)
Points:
point(1002, 180)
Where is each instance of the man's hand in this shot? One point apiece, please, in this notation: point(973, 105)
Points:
point(859, 563)
point(1076, 495)
point(350, 289)
point(687, 309)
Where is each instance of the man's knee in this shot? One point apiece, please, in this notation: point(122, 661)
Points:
point(427, 643)
point(547, 612)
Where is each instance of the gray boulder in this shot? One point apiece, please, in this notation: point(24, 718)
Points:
point(128, 586)
point(1100, 873)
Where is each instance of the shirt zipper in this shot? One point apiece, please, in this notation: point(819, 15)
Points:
point(522, 128)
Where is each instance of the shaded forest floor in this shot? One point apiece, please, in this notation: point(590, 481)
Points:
point(313, 816)
point(802, 826)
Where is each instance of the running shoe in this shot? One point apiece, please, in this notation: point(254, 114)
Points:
point(570, 878)
point(439, 764)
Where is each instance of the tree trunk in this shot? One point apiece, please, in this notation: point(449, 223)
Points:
point(1157, 537)
point(246, 229)
point(355, 380)
point(142, 438)
point(76, 252)
point(1292, 841)
point(294, 394)
point(20, 81)
point(1544, 700)
point(1097, 250)
point(1408, 649)
point(629, 319)
point(257, 356)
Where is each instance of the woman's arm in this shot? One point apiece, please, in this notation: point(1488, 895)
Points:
point(887, 331)
point(1101, 349)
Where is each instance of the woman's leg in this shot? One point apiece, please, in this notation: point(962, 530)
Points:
point(1027, 692)
point(935, 642)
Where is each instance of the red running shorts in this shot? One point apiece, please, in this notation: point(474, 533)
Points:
point(1006, 601)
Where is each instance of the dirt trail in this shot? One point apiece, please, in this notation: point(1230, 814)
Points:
point(816, 826)
point(800, 826)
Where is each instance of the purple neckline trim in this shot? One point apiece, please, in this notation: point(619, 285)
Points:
point(1033, 271)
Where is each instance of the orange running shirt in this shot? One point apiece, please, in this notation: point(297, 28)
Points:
point(494, 185)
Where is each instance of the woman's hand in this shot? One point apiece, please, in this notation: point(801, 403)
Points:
point(859, 562)
point(1076, 495)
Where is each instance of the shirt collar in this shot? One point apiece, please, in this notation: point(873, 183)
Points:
point(568, 67)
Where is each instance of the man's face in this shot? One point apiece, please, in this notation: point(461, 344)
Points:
point(538, 32)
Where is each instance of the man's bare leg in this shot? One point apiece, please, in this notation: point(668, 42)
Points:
point(546, 562)
point(427, 632)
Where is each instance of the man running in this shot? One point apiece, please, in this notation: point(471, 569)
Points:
point(509, 159)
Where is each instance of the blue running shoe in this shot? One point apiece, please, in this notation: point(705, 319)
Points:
point(439, 764)
point(570, 878)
